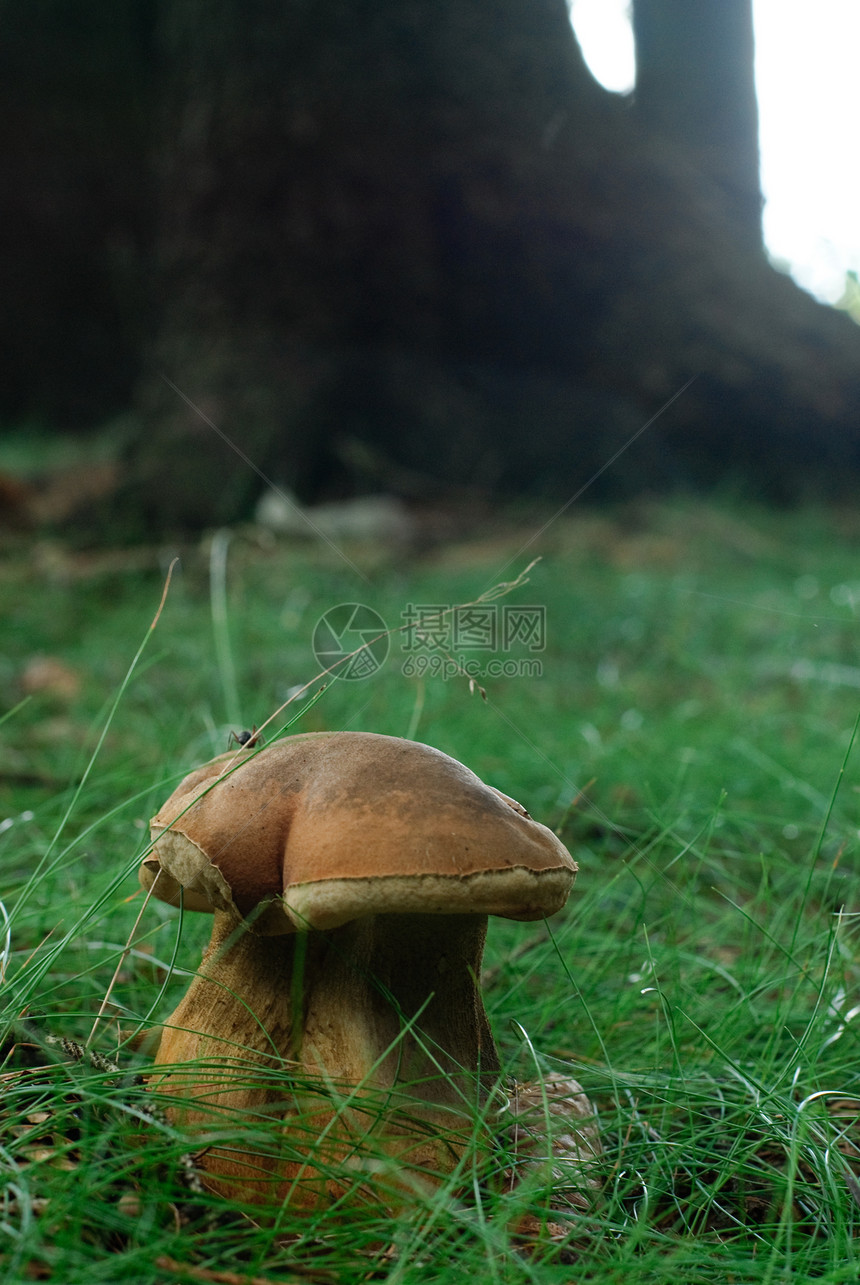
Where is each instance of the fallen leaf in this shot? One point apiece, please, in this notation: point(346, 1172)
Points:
point(51, 676)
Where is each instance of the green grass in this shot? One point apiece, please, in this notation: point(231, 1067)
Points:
point(691, 739)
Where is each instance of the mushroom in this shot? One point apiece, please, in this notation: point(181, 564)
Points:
point(338, 1004)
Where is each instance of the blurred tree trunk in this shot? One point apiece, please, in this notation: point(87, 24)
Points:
point(695, 87)
point(407, 246)
point(346, 240)
point(75, 206)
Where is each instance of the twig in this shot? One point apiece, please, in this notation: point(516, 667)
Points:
point(167, 1264)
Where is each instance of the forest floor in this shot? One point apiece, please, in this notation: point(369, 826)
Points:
point(673, 687)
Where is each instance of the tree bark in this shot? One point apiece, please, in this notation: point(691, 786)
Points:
point(412, 248)
point(327, 171)
point(404, 249)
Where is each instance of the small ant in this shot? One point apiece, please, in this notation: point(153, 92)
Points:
point(246, 740)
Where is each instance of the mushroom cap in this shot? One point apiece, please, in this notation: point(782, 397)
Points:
point(319, 829)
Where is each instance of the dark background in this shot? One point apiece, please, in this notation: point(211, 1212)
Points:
point(397, 246)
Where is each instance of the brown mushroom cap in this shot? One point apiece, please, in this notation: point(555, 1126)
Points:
point(323, 828)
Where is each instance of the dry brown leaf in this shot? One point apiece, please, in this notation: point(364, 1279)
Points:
point(554, 1134)
point(50, 676)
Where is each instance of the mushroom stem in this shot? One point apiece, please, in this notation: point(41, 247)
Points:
point(369, 1042)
